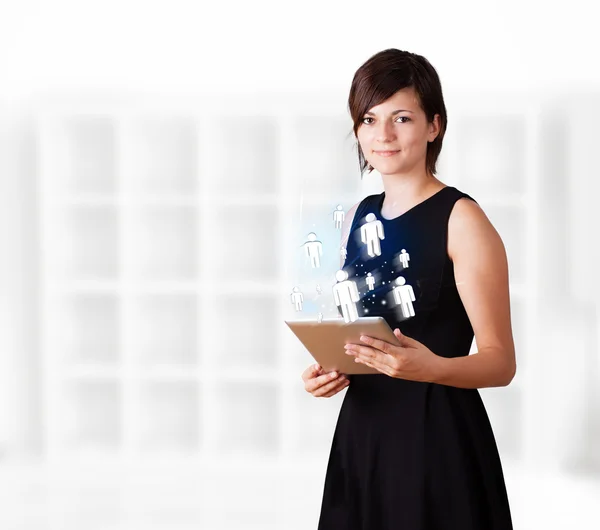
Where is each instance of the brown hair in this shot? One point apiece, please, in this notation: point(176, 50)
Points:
point(381, 76)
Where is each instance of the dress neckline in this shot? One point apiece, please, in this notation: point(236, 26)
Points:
point(380, 205)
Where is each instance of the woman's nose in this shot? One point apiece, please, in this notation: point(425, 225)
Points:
point(385, 132)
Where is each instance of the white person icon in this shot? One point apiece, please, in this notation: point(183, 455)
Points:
point(370, 281)
point(371, 233)
point(343, 253)
point(338, 216)
point(404, 296)
point(404, 258)
point(345, 294)
point(297, 298)
point(314, 250)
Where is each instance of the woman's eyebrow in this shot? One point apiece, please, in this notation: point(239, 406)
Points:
point(391, 113)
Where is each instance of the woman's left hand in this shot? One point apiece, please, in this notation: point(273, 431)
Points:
point(411, 360)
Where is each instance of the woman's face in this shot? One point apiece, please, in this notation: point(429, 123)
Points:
point(393, 135)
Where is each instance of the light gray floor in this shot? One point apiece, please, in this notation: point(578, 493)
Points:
point(35, 499)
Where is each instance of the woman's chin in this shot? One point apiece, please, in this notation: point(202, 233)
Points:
point(388, 169)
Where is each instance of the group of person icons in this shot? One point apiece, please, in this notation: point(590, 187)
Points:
point(314, 248)
point(346, 295)
point(371, 234)
point(345, 291)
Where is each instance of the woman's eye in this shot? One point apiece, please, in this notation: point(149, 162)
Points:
point(399, 118)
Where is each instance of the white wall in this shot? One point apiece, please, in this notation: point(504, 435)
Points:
point(191, 46)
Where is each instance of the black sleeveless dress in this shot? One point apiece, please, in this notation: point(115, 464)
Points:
point(409, 455)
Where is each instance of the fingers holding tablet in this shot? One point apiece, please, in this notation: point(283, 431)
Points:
point(321, 384)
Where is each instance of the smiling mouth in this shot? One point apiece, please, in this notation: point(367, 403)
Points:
point(386, 153)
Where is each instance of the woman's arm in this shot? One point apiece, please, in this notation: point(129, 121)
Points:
point(481, 275)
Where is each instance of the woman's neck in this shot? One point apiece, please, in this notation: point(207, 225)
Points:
point(405, 191)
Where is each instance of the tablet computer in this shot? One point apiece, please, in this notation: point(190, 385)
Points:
point(325, 340)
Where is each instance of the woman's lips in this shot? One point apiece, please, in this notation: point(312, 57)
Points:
point(386, 153)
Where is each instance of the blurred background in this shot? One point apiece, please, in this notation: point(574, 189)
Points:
point(161, 165)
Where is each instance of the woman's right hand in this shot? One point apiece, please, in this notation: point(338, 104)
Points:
point(321, 384)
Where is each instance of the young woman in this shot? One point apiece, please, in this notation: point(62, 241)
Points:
point(413, 448)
